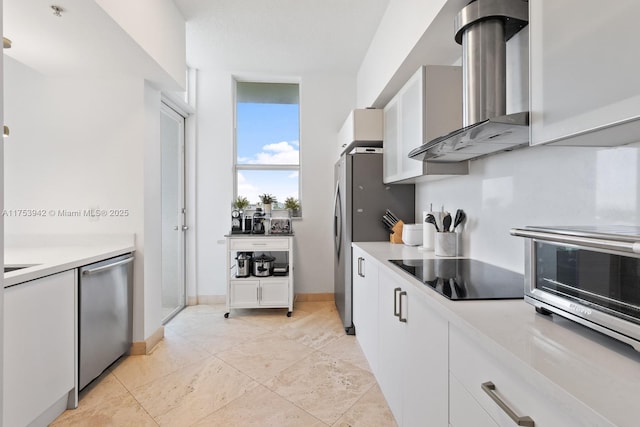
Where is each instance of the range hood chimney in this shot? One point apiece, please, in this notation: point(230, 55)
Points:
point(483, 28)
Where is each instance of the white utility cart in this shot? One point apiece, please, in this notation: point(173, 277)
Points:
point(251, 291)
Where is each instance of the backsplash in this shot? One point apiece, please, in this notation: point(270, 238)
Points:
point(537, 186)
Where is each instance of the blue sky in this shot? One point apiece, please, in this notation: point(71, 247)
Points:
point(267, 134)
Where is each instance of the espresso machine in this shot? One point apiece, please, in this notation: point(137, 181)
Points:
point(258, 222)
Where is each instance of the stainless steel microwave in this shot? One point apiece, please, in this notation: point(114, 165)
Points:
point(587, 274)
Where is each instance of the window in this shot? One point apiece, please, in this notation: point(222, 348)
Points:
point(267, 141)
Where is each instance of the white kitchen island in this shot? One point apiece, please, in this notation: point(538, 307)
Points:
point(546, 367)
point(41, 322)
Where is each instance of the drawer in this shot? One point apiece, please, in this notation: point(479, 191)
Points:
point(520, 388)
point(259, 244)
point(464, 410)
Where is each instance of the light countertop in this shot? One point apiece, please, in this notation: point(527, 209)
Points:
point(555, 353)
point(53, 254)
point(258, 236)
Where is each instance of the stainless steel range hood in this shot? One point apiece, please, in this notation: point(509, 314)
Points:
point(483, 28)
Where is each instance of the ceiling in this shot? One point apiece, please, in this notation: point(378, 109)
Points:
point(280, 36)
point(271, 37)
point(84, 41)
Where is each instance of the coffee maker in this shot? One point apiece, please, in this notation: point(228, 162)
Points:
point(236, 221)
point(247, 224)
point(258, 222)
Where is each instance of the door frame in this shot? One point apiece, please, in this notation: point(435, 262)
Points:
point(185, 109)
point(173, 110)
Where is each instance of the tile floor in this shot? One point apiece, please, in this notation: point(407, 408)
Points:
point(257, 368)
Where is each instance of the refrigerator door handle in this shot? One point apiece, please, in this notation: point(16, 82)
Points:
point(337, 220)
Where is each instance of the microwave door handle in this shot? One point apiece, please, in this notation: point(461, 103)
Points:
point(591, 242)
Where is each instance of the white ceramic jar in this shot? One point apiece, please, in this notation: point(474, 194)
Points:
point(412, 234)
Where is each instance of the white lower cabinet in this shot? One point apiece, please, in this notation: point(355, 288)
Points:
point(267, 292)
point(508, 392)
point(39, 349)
point(464, 410)
point(426, 359)
point(365, 305)
point(433, 372)
point(412, 355)
point(392, 341)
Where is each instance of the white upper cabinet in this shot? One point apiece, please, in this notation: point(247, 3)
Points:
point(584, 72)
point(429, 105)
point(363, 126)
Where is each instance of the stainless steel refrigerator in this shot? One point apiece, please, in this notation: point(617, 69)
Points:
point(361, 199)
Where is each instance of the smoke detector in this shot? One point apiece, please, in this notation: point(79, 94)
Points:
point(57, 10)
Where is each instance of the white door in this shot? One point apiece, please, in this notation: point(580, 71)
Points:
point(173, 211)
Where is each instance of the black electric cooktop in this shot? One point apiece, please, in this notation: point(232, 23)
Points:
point(465, 279)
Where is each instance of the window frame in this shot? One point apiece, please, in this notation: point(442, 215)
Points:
point(237, 167)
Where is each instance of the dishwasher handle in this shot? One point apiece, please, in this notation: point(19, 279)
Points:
point(105, 267)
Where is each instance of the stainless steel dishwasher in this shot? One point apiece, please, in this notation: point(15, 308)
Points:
point(105, 315)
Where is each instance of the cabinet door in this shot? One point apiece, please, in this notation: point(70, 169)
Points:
point(584, 72)
point(404, 130)
point(365, 305)
point(243, 293)
point(392, 344)
point(391, 142)
point(426, 362)
point(362, 125)
point(274, 292)
point(39, 346)
point(408, 121)
point(412, 122)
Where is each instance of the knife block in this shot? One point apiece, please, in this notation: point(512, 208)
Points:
point(396, 236)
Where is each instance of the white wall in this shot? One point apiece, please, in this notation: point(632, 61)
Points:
point(87, 144)
point(325, 101)
point(158, 27)
point(1, 231)
point(538, 186)
point(151, 304)
point(402, 25)
point(73, 146)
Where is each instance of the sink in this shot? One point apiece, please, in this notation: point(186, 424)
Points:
point(10, 268)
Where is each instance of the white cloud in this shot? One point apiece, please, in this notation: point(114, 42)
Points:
point(293, 174)
point(246, 189)
point(279, 153)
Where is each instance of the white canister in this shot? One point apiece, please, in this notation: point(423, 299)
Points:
point(446, 244)
point(412, 234)
point(429, 230)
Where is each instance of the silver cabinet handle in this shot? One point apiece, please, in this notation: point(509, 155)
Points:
point(360, 269)
point(395, 302)
point(108, 266)
point(185, 227)
point(490, 388)
point(400, 318)
point(175, 227)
